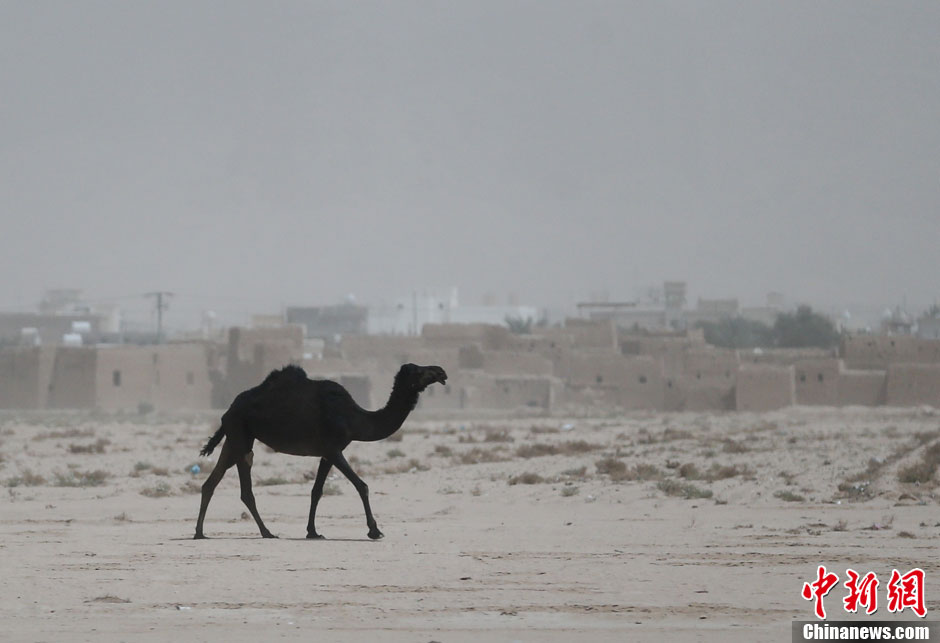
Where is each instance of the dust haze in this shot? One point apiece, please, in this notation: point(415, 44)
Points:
point(252, 155)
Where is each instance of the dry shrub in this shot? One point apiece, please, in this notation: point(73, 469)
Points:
point(538, 430)
point(731, 446)
point(94, 478)
point(443, 450)
point(65, 433)
point(26, 479)
point(578, 472)
point(96, 447)
point(396, 453)
point(160, 490)
point(272, 481)
point(476, 455)
point(610, 466)
point(690, 472)
point(789, 496)
point(619, 472)
point(685, 490)
point(410, 466)
point(497, 435)
point(671, 434)
point(526, 478)
point(569, 491)
point(919, 472)
point(539, 449)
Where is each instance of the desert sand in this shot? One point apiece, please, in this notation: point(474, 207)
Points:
point(692, 526)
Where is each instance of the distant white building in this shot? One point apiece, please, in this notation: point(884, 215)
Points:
point(408, 315)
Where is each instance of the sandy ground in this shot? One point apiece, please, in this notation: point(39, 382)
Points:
point(538, 529)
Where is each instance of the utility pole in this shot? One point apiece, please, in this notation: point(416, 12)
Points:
point(161, 304)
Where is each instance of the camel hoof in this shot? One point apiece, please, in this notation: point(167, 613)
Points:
point(375, 534)
point(268, 535)
point(199, 537)
point(315, 536)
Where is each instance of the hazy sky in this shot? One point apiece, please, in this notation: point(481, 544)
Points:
point(255, 154)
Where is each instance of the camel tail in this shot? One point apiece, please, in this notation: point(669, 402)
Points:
point(213, 441)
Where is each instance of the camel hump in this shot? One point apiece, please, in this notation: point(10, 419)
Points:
point(289, 374)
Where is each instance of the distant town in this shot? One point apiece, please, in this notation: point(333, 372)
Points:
point(654, 353)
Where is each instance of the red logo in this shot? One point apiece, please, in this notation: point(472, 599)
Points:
point(907, 591)
point(903, 591)
point(818, 589)
point(864, 593)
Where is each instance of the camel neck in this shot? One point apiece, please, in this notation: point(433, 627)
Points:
point(378, 425)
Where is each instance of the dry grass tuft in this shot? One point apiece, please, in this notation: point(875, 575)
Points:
point(26, 479)
point(159, 490)
point(526, 478)
point(476, 455)
point(96, 447)
point(76, 478)
point(539, 449)
point(64, 433)
point(685, 490)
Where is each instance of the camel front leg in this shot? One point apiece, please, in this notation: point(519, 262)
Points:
point(244, 478)
point(315, 494)
point(340, 463)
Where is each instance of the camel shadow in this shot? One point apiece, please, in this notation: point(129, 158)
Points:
point(303, 540)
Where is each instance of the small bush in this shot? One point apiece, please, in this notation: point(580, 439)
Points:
point(610, 466)
point(731, 446)
point(497, 435)
point(569, 491)
point(685, 490)
point(160, 490)
point(526, 478)
point(920, 472)
point(272, 481)
point(789, 496)
point(476, 455)
point(94, 478)
point(396, 453)
point(443, 450)
point(26, 479)
point(96, 447)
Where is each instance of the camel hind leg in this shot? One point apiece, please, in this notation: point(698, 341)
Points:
point(226, 459)
point(244, 478)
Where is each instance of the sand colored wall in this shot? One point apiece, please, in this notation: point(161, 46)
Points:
point(72, 384)
point(877, 351)
point(456, 335)
point(817, 381)
point(592, 334)
point(913, 385)
point(504, 362)
point(764, 387)
point(25, 374)
point(498, 392)
point(135, 367)
point(168, 377)
point(380, 348)
point(862, 388)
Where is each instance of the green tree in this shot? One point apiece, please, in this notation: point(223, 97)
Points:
point(519, 326)
point(737, 332)
point(804, 329)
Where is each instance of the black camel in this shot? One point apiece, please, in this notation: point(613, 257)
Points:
point(293, 414)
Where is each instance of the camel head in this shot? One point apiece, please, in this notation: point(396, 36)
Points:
point(419, 378)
